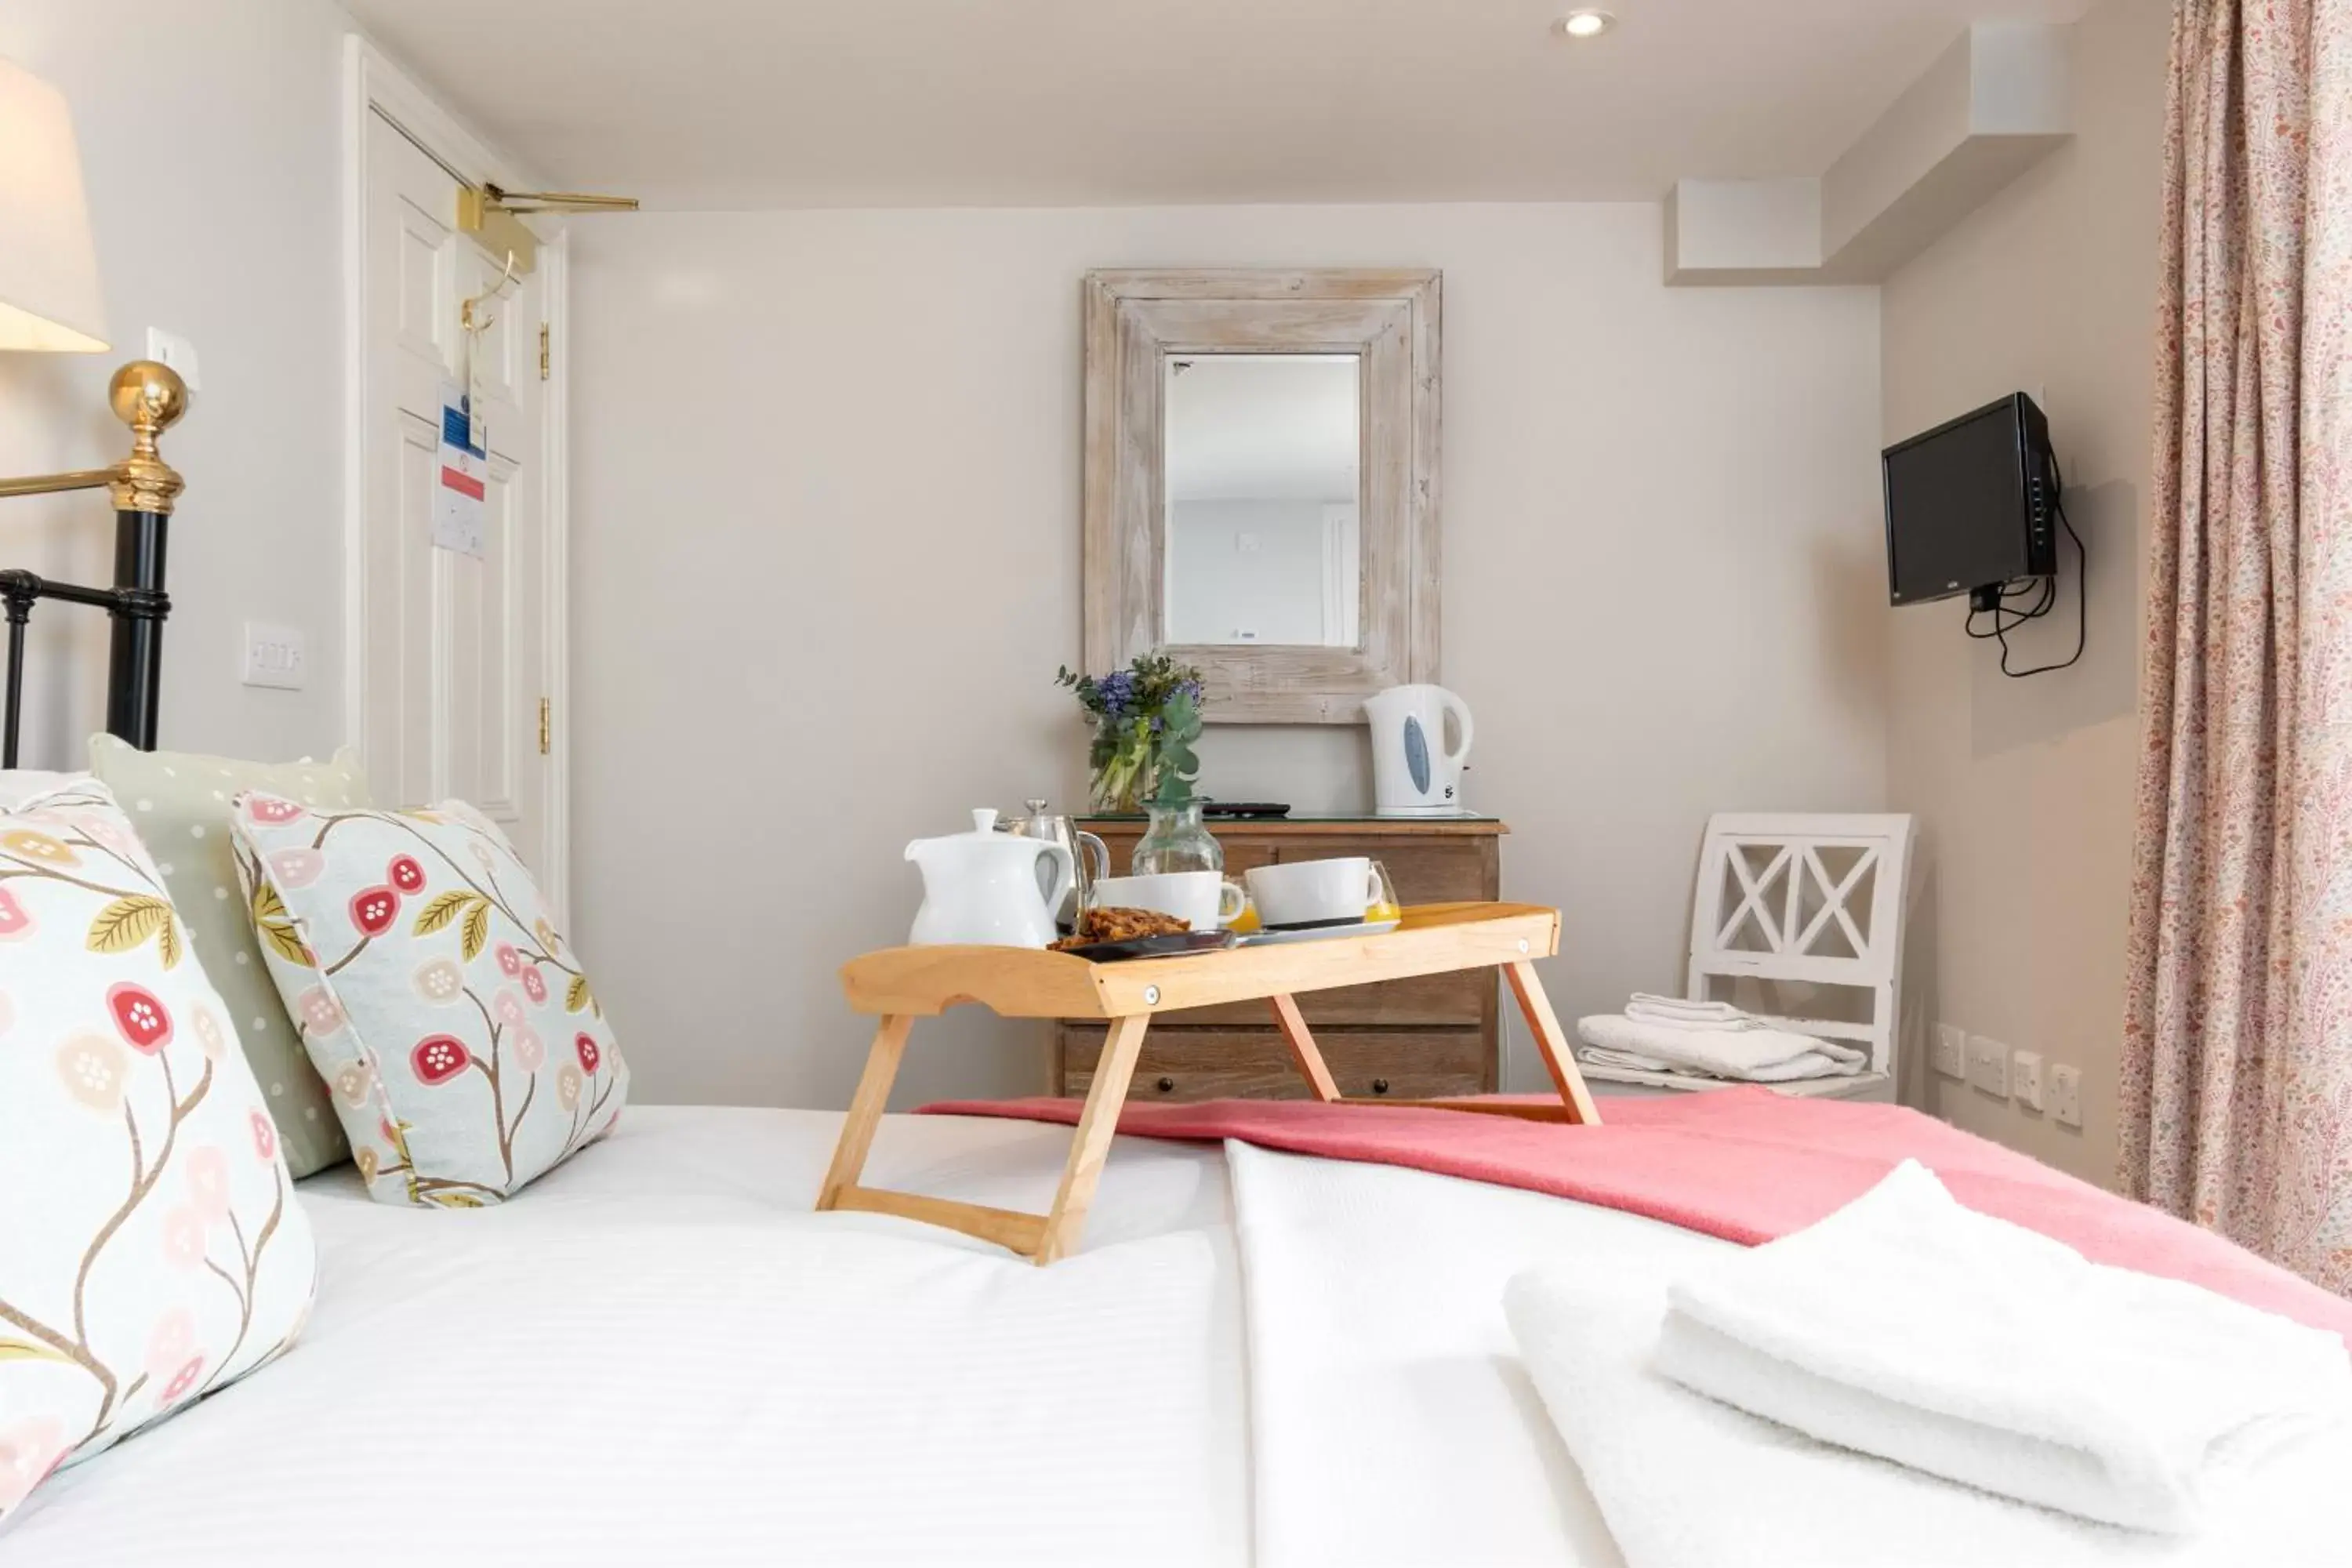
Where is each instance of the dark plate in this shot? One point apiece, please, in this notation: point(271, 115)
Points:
point(1317, 925)
point(1167, 946)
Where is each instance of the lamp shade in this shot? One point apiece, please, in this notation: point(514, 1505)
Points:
point(48, 270)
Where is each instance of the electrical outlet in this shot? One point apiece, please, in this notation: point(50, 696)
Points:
point(273, 657)
point(1951, 1050)
point(2025, 1078)
point(171, 349)
point(1988, 1066)
point(2066, 1094)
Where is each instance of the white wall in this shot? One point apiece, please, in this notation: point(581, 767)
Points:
point(209, 137)
point(826, 547)
point(2024, 789)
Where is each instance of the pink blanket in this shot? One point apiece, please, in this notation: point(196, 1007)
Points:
point(1745, 1165)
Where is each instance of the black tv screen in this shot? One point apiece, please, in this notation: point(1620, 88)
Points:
point(1967, 504)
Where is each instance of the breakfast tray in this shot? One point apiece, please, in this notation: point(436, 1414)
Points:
point(899, 985)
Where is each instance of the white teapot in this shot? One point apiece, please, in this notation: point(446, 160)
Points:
point(990, 889)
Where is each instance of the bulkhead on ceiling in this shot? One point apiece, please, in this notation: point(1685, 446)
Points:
point(754, 103)
point(1996, 101)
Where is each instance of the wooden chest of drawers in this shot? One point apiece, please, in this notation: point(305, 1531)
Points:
point(1415, 1040)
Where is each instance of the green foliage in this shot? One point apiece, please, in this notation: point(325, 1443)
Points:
point(1146, 721)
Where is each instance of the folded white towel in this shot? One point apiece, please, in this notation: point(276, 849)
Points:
point(1754, 1055)
point(1689, 1013)
point(1687, 1483)
point(1813, 1064)
point(1632, 1061)
point(1909, 1327)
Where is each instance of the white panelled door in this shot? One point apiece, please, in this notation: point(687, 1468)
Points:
point(452, 658)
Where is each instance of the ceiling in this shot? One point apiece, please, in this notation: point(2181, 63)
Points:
point(756, 103)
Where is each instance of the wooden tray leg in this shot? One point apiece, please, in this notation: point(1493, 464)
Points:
point(1304, 1055)
point(1091, 1146)
point(866, 1110)
point(1544, 1024)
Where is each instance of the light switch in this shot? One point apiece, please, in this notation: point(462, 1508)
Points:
point(1951, 1050)
point(171, 349)
point(2066, 1094)
point(2025, 1078)
point(1988, 1066)
point(273, 657)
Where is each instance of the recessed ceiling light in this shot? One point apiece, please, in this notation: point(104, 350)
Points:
point(1590, 22)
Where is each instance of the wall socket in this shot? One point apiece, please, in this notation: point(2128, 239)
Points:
point(1988, 1066)
point(2025, 1078)
point(2066, 1094)
point(171, 349)
point(273, 657)
point(1951, 1050)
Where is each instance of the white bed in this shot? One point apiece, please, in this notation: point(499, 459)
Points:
point(1256, 1358)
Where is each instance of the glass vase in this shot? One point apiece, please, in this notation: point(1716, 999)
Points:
point(1125, 780)
point(1174, 841)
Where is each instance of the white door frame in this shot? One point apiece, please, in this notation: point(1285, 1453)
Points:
point(374, 84)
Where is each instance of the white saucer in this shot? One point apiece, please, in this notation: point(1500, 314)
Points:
point(1318, 933)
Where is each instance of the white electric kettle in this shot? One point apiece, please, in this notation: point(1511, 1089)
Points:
point(990, 888)
point(1413, 773)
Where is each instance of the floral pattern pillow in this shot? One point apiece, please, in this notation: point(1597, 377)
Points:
point(464, 1048)
point(150, 1246)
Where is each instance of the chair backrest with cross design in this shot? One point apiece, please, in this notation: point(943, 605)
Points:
point(1810, 898)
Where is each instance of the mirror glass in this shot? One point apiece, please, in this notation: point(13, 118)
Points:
point(1263, 537)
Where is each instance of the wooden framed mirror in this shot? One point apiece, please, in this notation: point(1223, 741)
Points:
point(1261, 483)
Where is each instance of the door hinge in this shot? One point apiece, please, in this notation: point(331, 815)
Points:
point(546, 727)
point(542, 351)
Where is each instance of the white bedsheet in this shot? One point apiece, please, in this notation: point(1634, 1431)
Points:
point(1393, 1422)
point(656, 1355)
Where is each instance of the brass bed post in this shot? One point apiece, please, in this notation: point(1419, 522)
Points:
point(148, 397)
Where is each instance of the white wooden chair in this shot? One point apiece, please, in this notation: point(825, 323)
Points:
point(1799, 901)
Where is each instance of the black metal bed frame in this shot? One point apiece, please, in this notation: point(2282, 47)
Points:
point(148, 397)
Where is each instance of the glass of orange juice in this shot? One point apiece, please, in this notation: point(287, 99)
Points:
point(1385, 907)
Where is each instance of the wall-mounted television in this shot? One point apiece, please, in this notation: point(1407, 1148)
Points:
point(1970, 503)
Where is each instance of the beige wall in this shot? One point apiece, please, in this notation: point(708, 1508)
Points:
point(210, 139)
point(2024, 788)
point(826, 546)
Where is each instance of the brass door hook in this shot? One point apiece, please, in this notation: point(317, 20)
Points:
point(466, 312)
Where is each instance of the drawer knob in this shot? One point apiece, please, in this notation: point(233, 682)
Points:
point(1379, 1086)
point(1167, 1086)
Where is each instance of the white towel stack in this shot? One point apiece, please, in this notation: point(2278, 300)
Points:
point(1684, 1011)
point(1708, 1039)
point(1909, 1327)
point(1906, 1329)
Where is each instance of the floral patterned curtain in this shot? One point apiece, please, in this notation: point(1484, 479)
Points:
point(2237, 1068)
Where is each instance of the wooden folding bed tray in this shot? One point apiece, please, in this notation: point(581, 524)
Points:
point(901, 985)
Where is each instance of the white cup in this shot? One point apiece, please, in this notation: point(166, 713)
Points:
point(1309, 893)
point(1201, 899)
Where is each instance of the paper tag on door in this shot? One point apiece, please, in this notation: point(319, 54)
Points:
point(461, 487)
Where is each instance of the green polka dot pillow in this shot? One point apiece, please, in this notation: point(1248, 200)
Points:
point(180, 804)
point(467, 1052)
